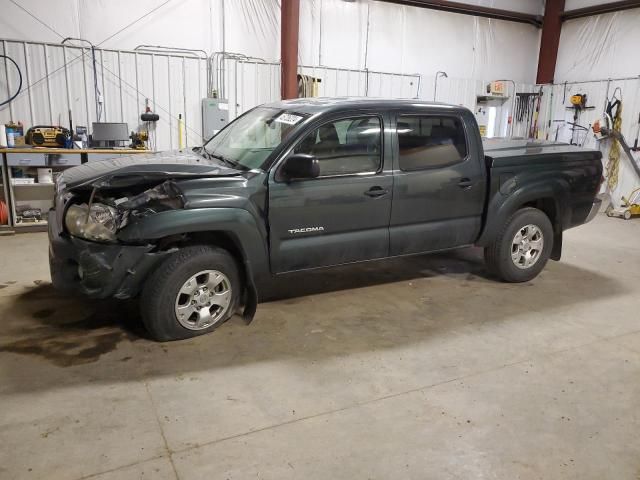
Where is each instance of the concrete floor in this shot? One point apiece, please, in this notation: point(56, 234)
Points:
point(412, 368)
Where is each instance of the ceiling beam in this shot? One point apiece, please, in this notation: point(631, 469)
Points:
point(600, 9)
point(475, 10)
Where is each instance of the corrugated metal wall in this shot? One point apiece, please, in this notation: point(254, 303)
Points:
point(464, 91)
point(556, 118)
point(57, 78)
point(344, 82)
point(247, 83)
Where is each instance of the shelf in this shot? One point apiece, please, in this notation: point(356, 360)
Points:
point(31, 224)
point(46, 165)
point(72, 151)
point(487, 98)
point(33, 185)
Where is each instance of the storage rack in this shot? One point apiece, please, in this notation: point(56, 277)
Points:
point(4, 194)
point(41, 195)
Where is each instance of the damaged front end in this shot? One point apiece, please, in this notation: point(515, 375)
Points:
point(85, 254)
point(106, 211)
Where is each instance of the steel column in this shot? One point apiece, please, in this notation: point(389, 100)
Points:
point(549, 41)
point(289, 26)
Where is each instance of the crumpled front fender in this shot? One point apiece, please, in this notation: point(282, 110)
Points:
point(249, 236)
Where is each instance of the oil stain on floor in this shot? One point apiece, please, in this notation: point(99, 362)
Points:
point(62, 329)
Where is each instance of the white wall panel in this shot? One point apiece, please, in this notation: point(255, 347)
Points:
point(253, 28)
point(407, 39)
point(599, 47)
point(310, 32)
point(62, 18)
point(344, 26)
point(250, 26)
point(178, 23)
point(333, 32)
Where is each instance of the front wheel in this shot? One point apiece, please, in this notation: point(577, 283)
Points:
point(522, 248)
point(192, 292)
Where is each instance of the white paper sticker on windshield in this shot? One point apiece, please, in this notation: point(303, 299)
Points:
point(288, 118)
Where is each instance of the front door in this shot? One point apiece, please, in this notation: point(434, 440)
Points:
point(341, 216)
point(439, 189)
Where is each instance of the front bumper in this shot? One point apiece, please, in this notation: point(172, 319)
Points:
point(95, 269)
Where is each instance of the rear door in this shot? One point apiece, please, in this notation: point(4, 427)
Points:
point(343, 215)
point(438, 196)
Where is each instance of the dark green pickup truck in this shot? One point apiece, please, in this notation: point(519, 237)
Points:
point(310, 183)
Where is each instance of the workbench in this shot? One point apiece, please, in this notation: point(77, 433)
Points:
point(41, 195)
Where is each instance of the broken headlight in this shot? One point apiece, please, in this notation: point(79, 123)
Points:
point(98, 224)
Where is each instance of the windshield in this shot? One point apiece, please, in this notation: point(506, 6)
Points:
point(251, 138)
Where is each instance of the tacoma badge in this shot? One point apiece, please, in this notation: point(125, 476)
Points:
point(305, 230)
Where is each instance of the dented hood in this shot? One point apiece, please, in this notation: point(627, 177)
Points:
point(130, 169)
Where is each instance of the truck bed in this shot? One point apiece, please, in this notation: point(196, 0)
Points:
point(565, 175)
point(514, 152)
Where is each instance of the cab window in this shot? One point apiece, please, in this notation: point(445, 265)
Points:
point(345, 147)
point(430, 141)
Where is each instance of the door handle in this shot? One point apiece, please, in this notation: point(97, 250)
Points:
point(376, 192)
point(465, 183)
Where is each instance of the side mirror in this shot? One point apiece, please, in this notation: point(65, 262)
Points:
point(300, 165)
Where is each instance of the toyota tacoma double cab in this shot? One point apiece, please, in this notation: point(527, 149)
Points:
point(309, 183)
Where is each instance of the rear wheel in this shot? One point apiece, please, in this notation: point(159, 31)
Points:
point(192, 292)
point(522, 248)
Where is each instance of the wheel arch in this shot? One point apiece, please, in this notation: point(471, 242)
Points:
point(233, 229)
point(230, 242)
point(551, 196)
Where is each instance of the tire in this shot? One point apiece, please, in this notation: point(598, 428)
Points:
point(508, 259)
point(627, 214)
point(163, 295)
point(609, 211)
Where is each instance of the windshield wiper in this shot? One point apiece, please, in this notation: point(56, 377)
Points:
point(227, 161)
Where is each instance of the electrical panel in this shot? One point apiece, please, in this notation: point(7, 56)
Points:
point(215, 116)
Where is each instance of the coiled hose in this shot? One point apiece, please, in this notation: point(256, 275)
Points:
point(13, 97)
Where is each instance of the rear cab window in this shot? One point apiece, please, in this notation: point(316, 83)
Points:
point(430, 141)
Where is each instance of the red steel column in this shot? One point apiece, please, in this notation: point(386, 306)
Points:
point(550, 39)
point(289, 24)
